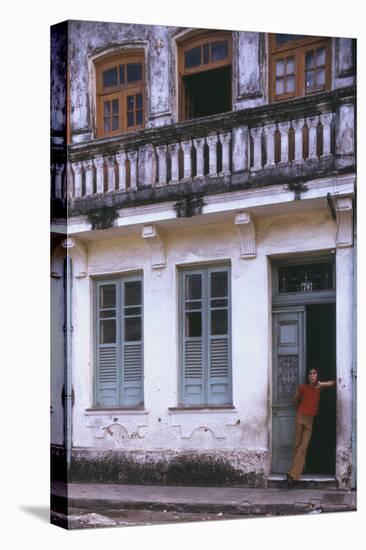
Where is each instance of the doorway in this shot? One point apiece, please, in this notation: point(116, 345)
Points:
point(304, 336)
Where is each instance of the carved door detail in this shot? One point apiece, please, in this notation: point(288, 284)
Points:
point(288, 372)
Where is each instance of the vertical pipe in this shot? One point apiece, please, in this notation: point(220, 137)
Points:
point(68, 328)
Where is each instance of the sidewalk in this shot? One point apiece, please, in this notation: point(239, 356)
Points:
point(232, 500)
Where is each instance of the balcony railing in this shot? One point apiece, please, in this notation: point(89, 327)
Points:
point(255, 142)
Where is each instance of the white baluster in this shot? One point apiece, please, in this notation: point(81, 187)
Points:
point(212, 155)
point(174, 152)
point(78, 174)
point(88, 169)
point(240, 149)
point(132, 157)
point(283, 128)
point(99, 165)
point(225, 142)
point(187, 159)
point(200, 164)
point(121, 161)
point(111, 182)
point(59, 171)
point(256, 134)
point(326, 121)
point(269, 132)
point(312, 123)
point(162, 156)
point(298, 126)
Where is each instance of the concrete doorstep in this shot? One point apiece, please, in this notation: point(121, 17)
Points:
point(229, 500)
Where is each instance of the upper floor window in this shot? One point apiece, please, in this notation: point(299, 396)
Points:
point(204, 67)
point(299, 65)
point(120, 94)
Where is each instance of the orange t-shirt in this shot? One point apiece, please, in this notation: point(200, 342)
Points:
point(309, 399)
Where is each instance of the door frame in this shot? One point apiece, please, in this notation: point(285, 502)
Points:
point(295, 300)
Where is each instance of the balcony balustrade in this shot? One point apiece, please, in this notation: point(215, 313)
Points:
point(258, 143)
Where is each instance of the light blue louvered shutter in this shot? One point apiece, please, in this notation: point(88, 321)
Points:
point(132, 356)
point(192, 339)
point(219, 364)
point(107, 344)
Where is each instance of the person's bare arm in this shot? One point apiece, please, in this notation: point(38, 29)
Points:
point(327, 384)
point(296, 398)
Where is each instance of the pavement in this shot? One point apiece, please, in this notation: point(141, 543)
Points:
point(218, 500)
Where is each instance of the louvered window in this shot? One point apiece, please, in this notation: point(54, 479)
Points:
point(119, 358)
point(205, 337)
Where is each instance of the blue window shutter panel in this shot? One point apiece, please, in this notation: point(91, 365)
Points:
point(193, 384)
point(219, 372)
point(132, 374)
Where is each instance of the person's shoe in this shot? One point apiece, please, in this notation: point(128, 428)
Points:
point(290, 480)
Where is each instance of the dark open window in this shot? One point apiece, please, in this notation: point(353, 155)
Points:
point(205, 75)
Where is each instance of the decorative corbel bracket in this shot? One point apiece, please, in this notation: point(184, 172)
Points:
point(77, 252)
point(245, 223)
point(154, 238)
point(344, 214)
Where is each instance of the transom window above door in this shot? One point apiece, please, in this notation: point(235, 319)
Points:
point(299, 65)
point(120, 94)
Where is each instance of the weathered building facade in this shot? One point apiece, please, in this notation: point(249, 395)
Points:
point(203, 189)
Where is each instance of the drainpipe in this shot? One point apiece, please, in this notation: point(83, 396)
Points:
point(68, 328)
point(354, 368)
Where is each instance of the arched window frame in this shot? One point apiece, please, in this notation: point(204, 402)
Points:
point(197, 39)
point(128, 117)
point(297, 50)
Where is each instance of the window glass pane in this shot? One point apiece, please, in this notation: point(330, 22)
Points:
point(115, 106)
point(133, 293)
point(107, 296)
point(290, 84)
point(320, 77)
point(134, 72)
point(194, 305)
point(121, 74)
point(193, 287)
point(206, 53)
point(290, 65)
point(280, 86)
point(130, 102)
point(108, 332)
point(309, 60)
point(219, 284)
point(138, 117)
point(219, 321)
point(192, 58)
point(133, 329)
point(219, 303)
point(138, 98)
point(107, 125)
point(320, 56)
point(219, 50)
point(115, 123)
point(132, 311)
point(284, 38)
point(310, 79)
point(110, 77)
point(280, 67)
point(130, 119)
point(108, 314)
point(193, 324)
point(107, 108)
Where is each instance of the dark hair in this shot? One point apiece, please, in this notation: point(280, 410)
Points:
point(314, 368)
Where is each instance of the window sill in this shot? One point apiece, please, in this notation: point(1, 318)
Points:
point(114, 411)
point(203, 409)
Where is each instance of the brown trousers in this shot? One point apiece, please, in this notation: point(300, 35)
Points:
point(303, 430)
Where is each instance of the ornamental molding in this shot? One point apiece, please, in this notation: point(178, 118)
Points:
point(154, 237)
point(344, 218)
point(245, 223)
point(76, 251)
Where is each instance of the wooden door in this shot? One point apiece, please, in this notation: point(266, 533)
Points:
point(288, 372)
